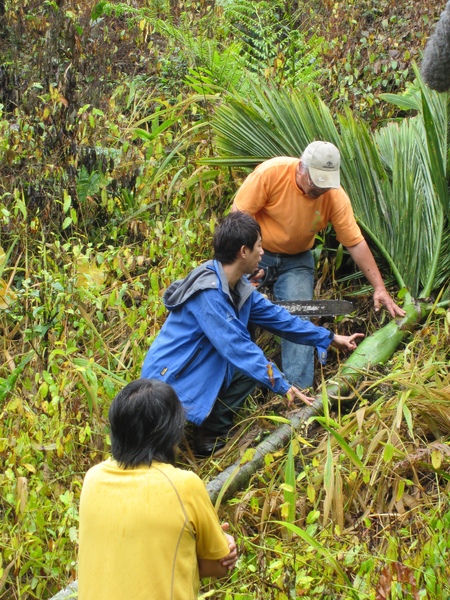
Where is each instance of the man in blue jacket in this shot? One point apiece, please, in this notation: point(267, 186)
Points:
point(204, 349)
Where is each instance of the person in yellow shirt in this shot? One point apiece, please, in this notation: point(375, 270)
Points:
point(293, 199)
point(148, 530)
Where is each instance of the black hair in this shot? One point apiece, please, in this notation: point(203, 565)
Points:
point(147, 422)
point(234, 231)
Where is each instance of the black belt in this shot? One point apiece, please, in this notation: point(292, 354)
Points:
point(282, 255)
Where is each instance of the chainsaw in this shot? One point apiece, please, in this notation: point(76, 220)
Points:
point(317, 308)
point(305, 308)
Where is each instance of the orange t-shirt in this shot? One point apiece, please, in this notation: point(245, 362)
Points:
point(289, 219)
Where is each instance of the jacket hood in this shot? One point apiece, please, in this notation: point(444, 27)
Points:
point(209, 275)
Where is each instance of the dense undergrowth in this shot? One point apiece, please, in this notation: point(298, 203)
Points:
point(104, 202)
point(365, 502)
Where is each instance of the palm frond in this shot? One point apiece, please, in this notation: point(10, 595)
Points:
point(275, 123)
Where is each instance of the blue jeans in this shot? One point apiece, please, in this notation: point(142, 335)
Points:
point(293, 279)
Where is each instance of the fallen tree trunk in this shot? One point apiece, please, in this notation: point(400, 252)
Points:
point(374, 350)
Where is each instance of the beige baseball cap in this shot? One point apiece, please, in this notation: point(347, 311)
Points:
point(323, 161)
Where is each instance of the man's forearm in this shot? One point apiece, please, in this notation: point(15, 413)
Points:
point(211, 568)
point(365, 261)
point(363, 257)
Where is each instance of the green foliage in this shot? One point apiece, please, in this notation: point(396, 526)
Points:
point(76, 326)
point(371, 491)
point(104, 201)
point(276, 45)
point(217, 69)
point(371, 49)
point(274, 123)
point(120, 9)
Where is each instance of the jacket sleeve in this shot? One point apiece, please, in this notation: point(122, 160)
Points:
point(231, 339)
point(279, 321)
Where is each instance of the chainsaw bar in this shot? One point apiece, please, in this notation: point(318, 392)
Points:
point(320, 308)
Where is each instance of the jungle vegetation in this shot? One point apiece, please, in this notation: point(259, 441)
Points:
point(125, 130)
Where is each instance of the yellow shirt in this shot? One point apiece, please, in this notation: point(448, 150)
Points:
point(289, 220)
point(141, 531)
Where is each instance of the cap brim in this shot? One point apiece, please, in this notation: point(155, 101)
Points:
point(325, 179)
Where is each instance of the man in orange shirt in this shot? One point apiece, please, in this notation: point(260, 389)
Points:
point(293, 199)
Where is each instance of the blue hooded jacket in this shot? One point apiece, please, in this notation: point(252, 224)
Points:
point(205, 338)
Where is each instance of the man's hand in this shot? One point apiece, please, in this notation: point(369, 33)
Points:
point(363, 257)
point(256, 277)
point(382, 297)
point(229, 562)
point(346, 342)
point(293, 393)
